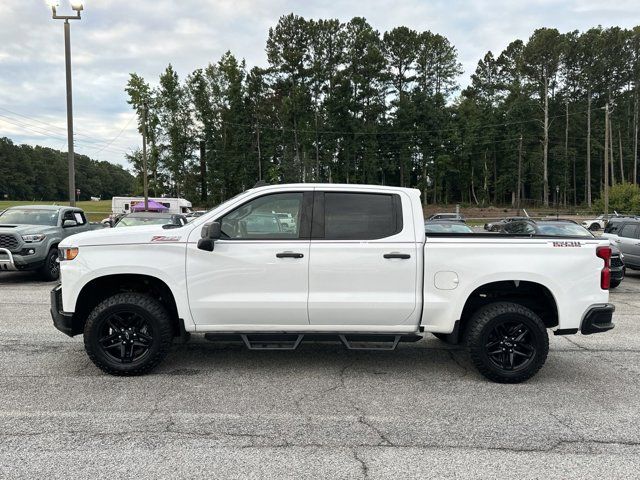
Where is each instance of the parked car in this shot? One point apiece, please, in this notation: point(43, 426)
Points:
point(30, 235)
point(446, 226)
point(567, 228)
point(446, 216)
point(601, 221)
point(497, 225)
point(627, 238)
point(287, 220)
point(358, 269)
point(139, 219)
point(195, 214)
point(615, 223)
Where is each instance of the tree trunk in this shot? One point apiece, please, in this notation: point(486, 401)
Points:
point(611, 158)
point(545, 155)
point(588, 179)
point(519, 187)
point(259, 155)
point(635, 140)
point(622, 179)
point(566, 151)
point(606, 155)
point(317, 175)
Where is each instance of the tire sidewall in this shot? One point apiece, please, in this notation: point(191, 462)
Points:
point(49, 273)
point(477, 340)
point(93, 331)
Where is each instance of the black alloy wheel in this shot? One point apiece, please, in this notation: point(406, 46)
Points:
point(510, 345)
point(50, 271)
point(128, 334)
point(126, 337)
point(507, 342)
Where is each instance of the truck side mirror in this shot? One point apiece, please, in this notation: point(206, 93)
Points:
point(69, 223)
point(210, 233)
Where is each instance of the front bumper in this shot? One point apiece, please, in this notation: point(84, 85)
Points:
point(63, 321)
point(598, 319)
point(6, 261)
point(16, 262)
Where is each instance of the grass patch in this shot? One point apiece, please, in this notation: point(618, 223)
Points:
point(95, 211)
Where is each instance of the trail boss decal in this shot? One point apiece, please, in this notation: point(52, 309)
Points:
point(566, 244)
point(162, 238)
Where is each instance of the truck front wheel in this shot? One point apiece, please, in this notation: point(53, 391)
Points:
point(128, 334)
point(508, 343)
point(50, 271)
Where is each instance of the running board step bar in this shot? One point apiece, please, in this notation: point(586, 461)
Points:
point(272, 342)
point(370, 342)
point(291, 341)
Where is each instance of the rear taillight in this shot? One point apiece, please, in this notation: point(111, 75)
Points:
point(605, 274)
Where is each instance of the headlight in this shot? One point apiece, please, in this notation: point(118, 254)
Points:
point(37, 237)
point(68, 253)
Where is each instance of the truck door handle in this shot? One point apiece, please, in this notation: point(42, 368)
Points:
point(289, 255)
point(403, 256)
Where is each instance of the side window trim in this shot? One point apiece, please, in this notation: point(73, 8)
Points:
point(305, 218)
point(318, 216)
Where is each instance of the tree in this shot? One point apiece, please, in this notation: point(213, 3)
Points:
point(542, 59)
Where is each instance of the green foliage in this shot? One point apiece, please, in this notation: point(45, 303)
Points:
point(623, 198)
point(342, 102)
point(41, 174)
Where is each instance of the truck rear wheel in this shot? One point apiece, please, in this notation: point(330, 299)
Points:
point(128, 334)
point(508, 343)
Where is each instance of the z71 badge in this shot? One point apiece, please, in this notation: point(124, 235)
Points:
point(567, 244)
point(162, 238)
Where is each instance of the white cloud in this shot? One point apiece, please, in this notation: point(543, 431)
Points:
point(116, 37)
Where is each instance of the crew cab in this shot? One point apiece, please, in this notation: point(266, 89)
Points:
point(357, 267)
point(29, 237)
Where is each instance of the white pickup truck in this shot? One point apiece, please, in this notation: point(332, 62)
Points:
point(354, 266)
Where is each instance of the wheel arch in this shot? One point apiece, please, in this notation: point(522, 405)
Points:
point(530, 294)
point(103, 287)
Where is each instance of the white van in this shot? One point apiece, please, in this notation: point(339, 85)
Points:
point(175, 205)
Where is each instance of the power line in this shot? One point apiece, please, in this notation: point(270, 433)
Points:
point(47, 133)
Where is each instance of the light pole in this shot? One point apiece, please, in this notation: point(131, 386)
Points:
point(77, 7)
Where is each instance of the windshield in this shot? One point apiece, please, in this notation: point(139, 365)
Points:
point(139, 221)
point(446, 228)
point(17, 216)
point(564, 229)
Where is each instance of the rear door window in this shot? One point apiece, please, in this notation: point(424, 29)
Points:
point(628, 231)
point(361, 216)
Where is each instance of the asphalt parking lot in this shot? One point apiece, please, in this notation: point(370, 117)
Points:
point(319, 412)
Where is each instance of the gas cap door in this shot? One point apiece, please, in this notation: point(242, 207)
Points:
point(446, 280)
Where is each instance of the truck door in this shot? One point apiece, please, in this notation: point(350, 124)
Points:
point(258, 272)
point(628, 241)
point(363, 261)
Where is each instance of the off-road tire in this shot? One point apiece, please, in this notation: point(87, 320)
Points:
point(50, 271)
point(153, 312)
point(482, 324)
point(614, 283)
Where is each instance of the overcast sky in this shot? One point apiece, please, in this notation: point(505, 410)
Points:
point(116, 37)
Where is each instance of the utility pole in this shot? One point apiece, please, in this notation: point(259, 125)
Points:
point(70, 152)
point(77, 7)
point(145, 182)
point(519, 173)
point(606, 162)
